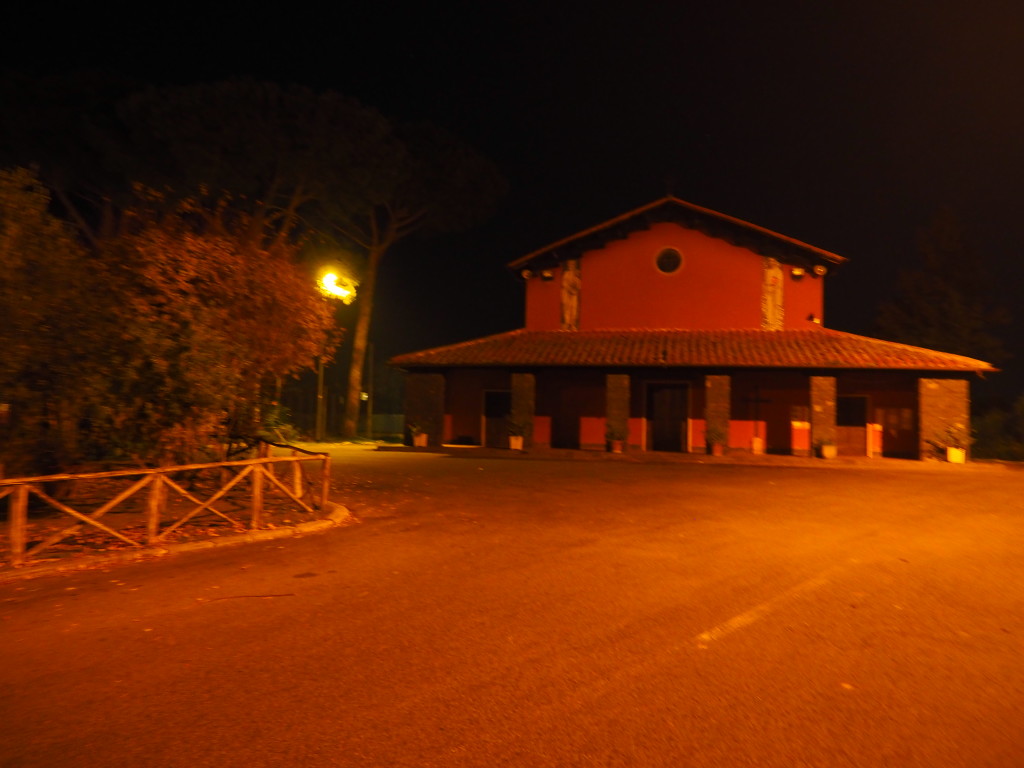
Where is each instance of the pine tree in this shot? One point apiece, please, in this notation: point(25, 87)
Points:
point(944, 301)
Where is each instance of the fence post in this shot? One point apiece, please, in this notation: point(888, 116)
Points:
point(17, 521)
point(155, 508)
point(257, 496)
point(325, 483)
point(296, 476)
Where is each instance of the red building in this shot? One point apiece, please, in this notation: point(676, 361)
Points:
point(675, 328)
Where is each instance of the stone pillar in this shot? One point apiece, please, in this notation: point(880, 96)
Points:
point(944, 416)
point(524, 395)
point(717, 409)
point(616, 407)
point(424, 406)
point(823, 411)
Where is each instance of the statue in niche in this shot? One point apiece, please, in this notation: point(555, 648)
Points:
point(771, 296)
point(571, 295)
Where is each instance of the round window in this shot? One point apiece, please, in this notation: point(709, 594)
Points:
point(669, 260)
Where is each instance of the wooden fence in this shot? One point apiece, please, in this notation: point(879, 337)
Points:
point(159, 482)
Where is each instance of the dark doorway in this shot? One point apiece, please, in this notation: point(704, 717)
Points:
point(565, 424)
point(497, 407)
point(668, 408)
point(852, 425)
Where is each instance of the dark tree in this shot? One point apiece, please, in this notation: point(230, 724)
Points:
point(438, 184)
point(148, 349)
point(945, 300)
point(260, 167)
point(57, 125)
point(56, 330)
point(285, 158)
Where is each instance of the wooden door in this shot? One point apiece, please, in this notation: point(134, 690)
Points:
point(852, 425)
point(668, 409)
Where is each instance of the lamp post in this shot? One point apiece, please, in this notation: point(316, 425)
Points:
point(321, 412)
point(334, 285)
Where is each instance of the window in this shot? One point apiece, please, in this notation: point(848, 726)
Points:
point(851, 411)
point(669, 260)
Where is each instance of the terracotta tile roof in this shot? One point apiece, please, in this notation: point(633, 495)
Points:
point(813, 348)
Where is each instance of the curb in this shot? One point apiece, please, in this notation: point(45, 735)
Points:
point(738, 458)
point(338, 515)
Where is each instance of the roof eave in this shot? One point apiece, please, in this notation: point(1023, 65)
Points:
point(505, 350)
point(621, 226)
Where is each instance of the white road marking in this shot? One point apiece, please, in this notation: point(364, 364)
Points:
point(760, 611)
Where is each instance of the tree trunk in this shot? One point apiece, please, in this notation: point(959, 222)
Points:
point(350, 425)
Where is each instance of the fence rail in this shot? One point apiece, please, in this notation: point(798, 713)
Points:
point(255, 475)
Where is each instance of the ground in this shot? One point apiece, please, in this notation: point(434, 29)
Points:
point(489, 612)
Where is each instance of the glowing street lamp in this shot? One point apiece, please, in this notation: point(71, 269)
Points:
point(334, 285)
point(338, 286)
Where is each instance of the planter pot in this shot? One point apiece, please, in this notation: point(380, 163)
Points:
point(956, 455)
point(757, 445)
point(716, 449)
point(615, 446)
point(420, 440)
point(828, 451)
point(515, 442)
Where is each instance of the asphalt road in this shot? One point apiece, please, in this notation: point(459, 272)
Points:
point(551, 613)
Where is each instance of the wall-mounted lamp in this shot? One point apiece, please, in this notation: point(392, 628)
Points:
point(797, 272)
point(820, 270)
point(526, 274)
point(547, 274)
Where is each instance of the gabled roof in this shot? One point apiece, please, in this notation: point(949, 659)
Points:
point(672, 209)
point(819, 347)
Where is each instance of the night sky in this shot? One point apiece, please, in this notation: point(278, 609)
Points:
point(843, 124)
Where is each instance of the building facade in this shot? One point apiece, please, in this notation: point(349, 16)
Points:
point(676, 328)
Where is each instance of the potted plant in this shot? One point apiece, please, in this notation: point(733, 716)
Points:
point(516, 435)
point(952, 442)
point(826, 449)
point(419, 437)
point(616, 439)
point(716, 440)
